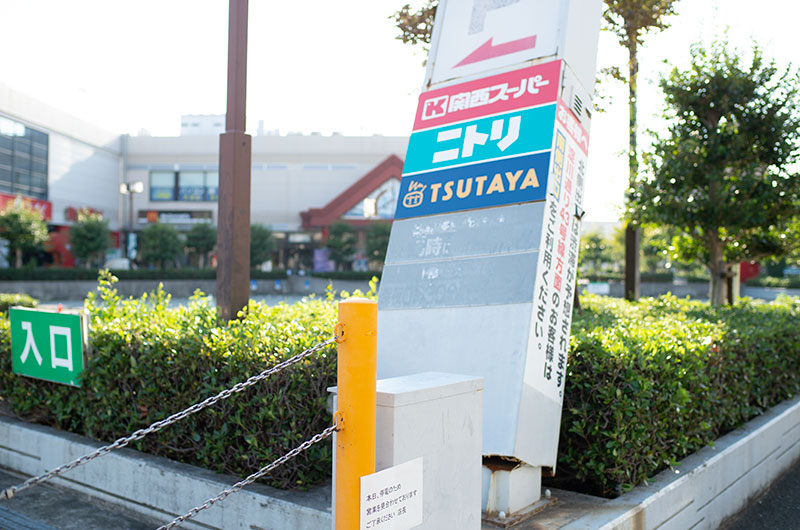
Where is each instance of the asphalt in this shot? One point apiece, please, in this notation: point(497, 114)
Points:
point(778, 507)
point(47, 507)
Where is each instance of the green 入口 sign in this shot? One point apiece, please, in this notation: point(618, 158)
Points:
point(47, 345)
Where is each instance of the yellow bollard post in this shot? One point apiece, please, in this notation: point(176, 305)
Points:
point(356, 335)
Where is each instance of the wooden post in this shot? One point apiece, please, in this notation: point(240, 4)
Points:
point(233, 213)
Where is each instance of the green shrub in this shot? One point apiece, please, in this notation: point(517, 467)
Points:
point(654, 277)
point(11, 300)
point(149, 362)
point(789, 282)
point(650, 383)
point(348, 275)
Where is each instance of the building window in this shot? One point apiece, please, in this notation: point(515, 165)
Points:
point(162, 185)
point(23, 160)
point(187, 186)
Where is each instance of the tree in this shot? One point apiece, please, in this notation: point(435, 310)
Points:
point(160, 244)
point(341, 242)
point(90, 237)
point(594, 252)
point(721, 174)
point(200, 240)
point(416, 26)
point(262, 244)
point(630, 20)
point(378, 241)
point(23, 227)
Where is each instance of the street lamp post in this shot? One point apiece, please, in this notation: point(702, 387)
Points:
point(129, 188)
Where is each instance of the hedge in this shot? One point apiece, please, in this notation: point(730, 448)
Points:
point(348, 275)
point(149, 362)
point(11, 300)
point(654, 277)
point(789, 282)
point(59, 274)
point(649, 383)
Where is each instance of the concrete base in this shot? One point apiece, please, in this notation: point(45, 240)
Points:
point(508, 487)
point(701, 493)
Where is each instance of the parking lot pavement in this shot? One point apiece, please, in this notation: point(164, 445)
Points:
point(47, 507)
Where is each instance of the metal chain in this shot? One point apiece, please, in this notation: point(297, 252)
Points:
point(157, 426)
point(252, 478)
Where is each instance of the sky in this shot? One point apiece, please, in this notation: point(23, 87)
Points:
point(318, 66)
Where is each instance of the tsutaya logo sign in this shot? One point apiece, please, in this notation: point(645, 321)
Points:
point(481, 35)
point(507, 181)
point(47, 345)
point(482, 143)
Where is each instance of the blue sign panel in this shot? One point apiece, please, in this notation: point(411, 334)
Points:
point(480, 140)
point(507, 181)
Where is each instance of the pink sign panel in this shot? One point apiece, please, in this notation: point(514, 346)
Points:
point(528, 87)
point(566, 118)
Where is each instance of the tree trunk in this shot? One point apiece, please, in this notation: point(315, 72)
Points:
point(719, 270)
point(632, 233)
point(17, 258)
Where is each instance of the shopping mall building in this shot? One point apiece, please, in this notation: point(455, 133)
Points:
point(301, 184)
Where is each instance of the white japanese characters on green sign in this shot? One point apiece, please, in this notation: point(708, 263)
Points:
point(47, 345)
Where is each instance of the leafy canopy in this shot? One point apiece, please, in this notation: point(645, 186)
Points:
point(630, 20)
point(23, 227)
point(378, 241)
point(416, 26)
point(160, 244)
point(262, 243)
point(722, 172)
point(341, 242)
point(89, 237)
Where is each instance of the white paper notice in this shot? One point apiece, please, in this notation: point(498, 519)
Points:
point(392, 499)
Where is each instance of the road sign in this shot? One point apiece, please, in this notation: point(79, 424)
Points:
point(480, 267)
point(482, 35)
point(48, 345)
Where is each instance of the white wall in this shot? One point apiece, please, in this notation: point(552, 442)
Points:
point(83, 160)
point(290, 174)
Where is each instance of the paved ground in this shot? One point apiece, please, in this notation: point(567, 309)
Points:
point(46, 507)
point(778, 507)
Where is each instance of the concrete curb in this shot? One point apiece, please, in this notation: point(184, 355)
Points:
point(162, 489)
point(706, 489)
point(711, 485)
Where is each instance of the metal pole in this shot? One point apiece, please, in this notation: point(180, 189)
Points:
point(130, 221)
point(356, 401)
point(233, 223)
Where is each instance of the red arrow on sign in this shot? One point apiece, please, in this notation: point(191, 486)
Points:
point(488, 51)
